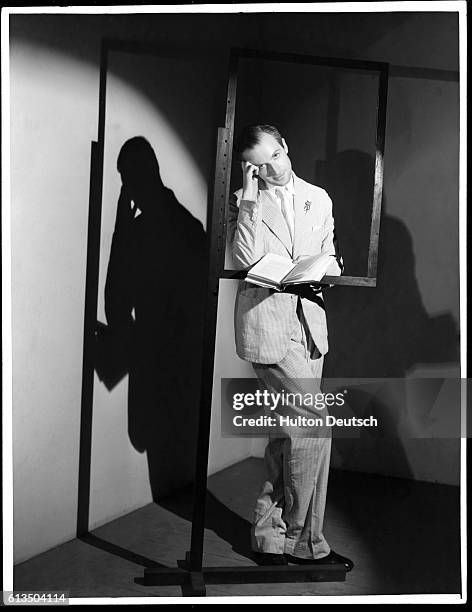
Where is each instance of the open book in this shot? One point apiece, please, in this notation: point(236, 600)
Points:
point(276, 272)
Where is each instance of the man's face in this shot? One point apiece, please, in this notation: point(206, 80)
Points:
point(271, 158)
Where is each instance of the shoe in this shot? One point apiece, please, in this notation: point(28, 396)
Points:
point(331, 559)
point(270, 559)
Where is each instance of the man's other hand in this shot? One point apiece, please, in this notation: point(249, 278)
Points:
point(304, 290)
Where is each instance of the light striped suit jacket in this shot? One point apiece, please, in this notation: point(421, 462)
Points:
point(264, 318)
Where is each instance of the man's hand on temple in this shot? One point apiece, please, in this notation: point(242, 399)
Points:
point(250, 181)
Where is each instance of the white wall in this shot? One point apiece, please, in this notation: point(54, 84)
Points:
point(53, 102)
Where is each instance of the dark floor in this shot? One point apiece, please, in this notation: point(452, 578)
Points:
point(403, 537)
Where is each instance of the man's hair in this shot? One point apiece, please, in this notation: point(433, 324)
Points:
point(251, 135)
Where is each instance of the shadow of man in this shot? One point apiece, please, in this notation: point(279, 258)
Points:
point(385, 331)
point(154, 302)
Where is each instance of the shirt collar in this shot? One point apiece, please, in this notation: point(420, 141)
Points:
point(289, 187)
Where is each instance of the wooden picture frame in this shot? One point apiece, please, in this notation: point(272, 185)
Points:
point(370, 279)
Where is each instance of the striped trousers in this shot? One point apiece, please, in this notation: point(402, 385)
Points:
point(289, 511)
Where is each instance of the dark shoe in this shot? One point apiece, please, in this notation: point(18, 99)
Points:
point(331, 559)
point(270, 559)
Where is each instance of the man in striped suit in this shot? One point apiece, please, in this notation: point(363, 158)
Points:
point(284, 336)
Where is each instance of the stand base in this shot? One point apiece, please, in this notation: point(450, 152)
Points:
point(195, 582)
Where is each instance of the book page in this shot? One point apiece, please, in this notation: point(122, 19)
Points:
point(310, 269)
point(271, 267)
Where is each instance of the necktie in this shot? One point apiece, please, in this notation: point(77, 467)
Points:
point(286, 205)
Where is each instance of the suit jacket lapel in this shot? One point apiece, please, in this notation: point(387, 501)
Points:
point(301, 226)
point(273, 218)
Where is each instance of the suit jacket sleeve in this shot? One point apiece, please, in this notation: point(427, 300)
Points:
point(245, 231)
point(330, 243)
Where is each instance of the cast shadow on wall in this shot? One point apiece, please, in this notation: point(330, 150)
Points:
point(381, 332)
point(384, 331)
point(154, 304)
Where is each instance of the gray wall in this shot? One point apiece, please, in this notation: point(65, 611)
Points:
point(54, 102)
